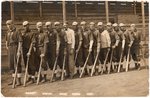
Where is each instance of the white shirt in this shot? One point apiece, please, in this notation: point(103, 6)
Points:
point(105, 39)
point(70, 37)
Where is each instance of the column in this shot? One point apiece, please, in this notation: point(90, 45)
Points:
point(106, 9)
point(64, 10)
point(12, 10)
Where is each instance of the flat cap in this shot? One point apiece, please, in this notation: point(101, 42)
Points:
point(100, 23)
point(39, 24)
point(9, 22)
point(83, 23)
point(115, 25)
point(56, 23)
point(48, 23)
point(132, 25)
point(75, 23)
point(25, 23)
point(121, 25)
point(92, 23)
point(109, 24)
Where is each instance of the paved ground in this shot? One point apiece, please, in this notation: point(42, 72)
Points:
point(132, 83)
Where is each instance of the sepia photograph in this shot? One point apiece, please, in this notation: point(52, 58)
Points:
point(74, 48)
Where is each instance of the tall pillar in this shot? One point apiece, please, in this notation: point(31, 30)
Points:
point(12, 10)
point(40, 8)
point(64, 10)
point(134, 7)
point(106, 9)
point(76, 11)
point(143, 18)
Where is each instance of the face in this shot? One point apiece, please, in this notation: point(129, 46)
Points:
point(100, 27)
point(57, 27)
point(65, 26)
point(48, 27)
point(132, 29)
point(40, 28)
point(91, 26)
point(116, 28)
point(122, 28)
point(83, 26)
point(74, 27)
point(109, 27)
point(25, 27)
point(10, 26)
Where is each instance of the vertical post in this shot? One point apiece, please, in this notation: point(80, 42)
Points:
point(76, 13)
point(116, 10)
point(12, 10)
point(106, 9)
point(134, 7)
point(143, 26)
point(40, 8)
point(143, 18)
point(64, 10)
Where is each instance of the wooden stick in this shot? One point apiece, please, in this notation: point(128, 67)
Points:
point(94, 64)
point(40, 68)
point(104, 65)
point(62, 75)
point(26, 72)
point(55, 65)
point(110, 60)
point(127, 62)
point(16, 71)
point(76, 57)
point(120, 61)
point(27, 65)
point(85, 65)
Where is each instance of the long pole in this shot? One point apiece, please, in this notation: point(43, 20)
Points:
point(143, 17)
point(134, 6)
point(107, 13)
point(76, 11)
point(12, 10)
point(40, 8)
point(64, 10)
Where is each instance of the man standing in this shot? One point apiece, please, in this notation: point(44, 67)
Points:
point(78, 49)
point(62, 47)
point(70, 49)
point(53, 45)
point(96, 44)
point(40, 44)
point(120, 47)
point(13, 45)
point(87, 45)
point(135, 48)
point(114, 43)
point(28, 52)
point(105, 45)
point(128, 40)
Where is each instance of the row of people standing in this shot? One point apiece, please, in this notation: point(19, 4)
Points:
point(71, 47)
